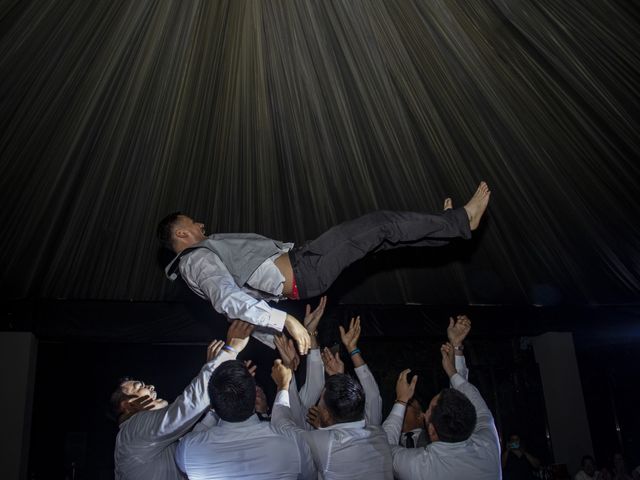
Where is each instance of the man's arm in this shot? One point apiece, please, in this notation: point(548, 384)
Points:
point(283, 422)
point(405, 390)
point(204, 273)
point(195, 398)
point(485, 426)
point(372, 398)
point(314, 380)
point(457, 331)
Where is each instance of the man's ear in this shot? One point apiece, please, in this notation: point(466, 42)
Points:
point(431, 430)
point(181, 233)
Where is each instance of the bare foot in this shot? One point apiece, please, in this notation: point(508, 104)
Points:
point(477, 205)
point(448, 204)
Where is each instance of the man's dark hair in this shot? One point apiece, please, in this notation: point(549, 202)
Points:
point(454, 416)
point(165, 230)
point(586, 458)
point(118, 396)
point(344, 398)
point(232, 391)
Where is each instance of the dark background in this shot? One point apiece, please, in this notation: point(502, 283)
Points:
point(287, 117)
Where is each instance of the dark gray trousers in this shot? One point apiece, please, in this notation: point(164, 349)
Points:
point(317, 263)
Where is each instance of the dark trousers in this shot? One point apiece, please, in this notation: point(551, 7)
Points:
point(317, 263)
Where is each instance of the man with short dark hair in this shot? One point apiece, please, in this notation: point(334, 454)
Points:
point(588, 471)
point(344, 446)
point(146, 442)
point(240, 445)
point(240, 273)
point(464, 441)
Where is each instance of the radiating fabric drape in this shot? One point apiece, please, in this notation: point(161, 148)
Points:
point(284, 117)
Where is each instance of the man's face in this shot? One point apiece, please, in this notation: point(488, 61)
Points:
point(514, 442)
point(261, 401)
point(187, 229)
point(413, 416)
point(137, 388)
point(427, 414)
point(588, 467)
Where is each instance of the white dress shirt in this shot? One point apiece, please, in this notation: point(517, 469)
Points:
point(342, 451)
point(251, 449)
point(205, 274)
point(478, 457)
point(146, 442)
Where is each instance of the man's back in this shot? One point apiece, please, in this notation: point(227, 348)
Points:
point(349, 450)
point(250, 449)
point(449, 461)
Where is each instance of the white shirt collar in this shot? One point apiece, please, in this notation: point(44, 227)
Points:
point(348, 425)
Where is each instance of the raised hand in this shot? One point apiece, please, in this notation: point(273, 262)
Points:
point(299, 334)
point(287, 351)
point(350, 337)
point(312, 318)
point(458, 329)
point(281, 375)
point(448, 359)
point(404, 389)
point(135, 405)
point(238, 335)
point(314, 417)
point(332, 363)
point(251, 367)
point(214, 349)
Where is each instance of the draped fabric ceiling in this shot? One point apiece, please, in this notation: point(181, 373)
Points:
point(285, 117)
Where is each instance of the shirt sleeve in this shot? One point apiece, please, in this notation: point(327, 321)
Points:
point(392, 426)
point(461, 367)
point(283, 423)
point(314, 381)
point(295, 405)
point(208, 277)
point(372, 399)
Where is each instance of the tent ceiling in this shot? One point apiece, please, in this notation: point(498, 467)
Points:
point(286, 117)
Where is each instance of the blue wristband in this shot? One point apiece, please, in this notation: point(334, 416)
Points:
point(229, 348)
point(357, 350)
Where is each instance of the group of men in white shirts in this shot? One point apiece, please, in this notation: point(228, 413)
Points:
point(331, 428)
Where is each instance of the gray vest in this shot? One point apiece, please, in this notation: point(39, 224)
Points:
point(241, 253)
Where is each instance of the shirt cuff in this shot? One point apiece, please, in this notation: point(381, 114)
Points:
point(457, 380)
point(223, 356)
point(276, 320)
point(282, 398)
point(314, 355)
point(398, 409)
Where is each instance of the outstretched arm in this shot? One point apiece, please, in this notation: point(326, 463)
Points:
point(168, 424)
point(372, 399)
point(392, 426)
point(314, 380)
point(485, 426)
point(457, 331)
point(282, 420)
point(207, 276)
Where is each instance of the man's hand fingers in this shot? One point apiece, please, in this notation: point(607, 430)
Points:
point(403, 375)
point(412, 385)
